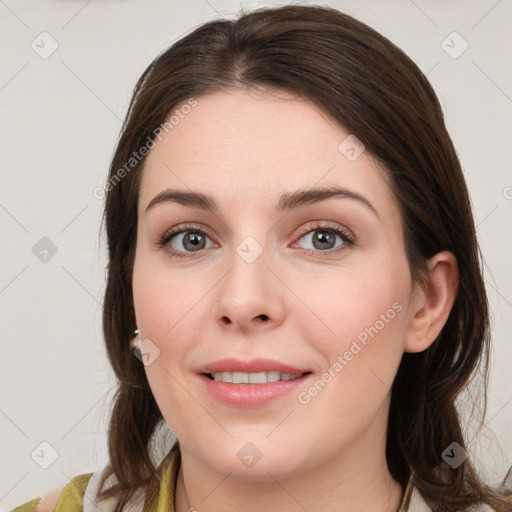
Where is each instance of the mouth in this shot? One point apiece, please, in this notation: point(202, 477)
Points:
point(248, 390)
point(265, 377)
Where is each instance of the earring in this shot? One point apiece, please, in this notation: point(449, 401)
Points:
point(134, 342)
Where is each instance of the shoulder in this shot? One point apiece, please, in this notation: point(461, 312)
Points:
point(70, 498)
point(48, 501)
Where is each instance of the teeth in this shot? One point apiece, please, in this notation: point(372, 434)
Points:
point(253, 378)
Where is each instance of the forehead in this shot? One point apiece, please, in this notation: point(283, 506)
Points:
point(257, 144)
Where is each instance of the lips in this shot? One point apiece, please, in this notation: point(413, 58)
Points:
point(253, 366)
point(246, 396)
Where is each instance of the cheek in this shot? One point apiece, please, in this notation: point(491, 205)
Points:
point(167, 301)
point(359, 318)
point(361, 349)
point(168, 305)
point(349, 307)
point(164, 304)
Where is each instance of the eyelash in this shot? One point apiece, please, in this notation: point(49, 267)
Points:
point(346, 236)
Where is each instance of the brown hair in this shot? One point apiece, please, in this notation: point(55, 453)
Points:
point(374, 90)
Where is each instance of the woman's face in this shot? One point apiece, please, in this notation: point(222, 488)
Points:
point(265, 275)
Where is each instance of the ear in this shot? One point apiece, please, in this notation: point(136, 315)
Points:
point(431, 303)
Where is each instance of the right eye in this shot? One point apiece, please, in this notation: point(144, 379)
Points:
point(190, 237)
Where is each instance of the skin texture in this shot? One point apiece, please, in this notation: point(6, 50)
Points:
point(246, 148)
point(49, 501)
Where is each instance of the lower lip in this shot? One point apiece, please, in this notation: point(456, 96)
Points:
point(252, 395)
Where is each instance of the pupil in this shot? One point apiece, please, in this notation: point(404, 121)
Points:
point(195, 240)
point(323, 238)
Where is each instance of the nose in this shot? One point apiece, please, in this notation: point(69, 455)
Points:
point(249, 297)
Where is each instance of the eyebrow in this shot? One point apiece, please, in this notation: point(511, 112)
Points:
point(287, 202)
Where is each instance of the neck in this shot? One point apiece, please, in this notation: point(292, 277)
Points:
point(355, 479)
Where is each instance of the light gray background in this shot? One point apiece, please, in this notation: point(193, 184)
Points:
point(60, 120)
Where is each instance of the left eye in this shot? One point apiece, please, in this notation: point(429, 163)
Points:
point(323, 239)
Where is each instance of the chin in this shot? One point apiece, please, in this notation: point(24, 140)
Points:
point(260, 460)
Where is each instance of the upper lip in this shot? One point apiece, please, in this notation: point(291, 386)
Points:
point(230, 364)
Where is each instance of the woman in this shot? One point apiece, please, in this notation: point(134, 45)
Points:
point(290, 234)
